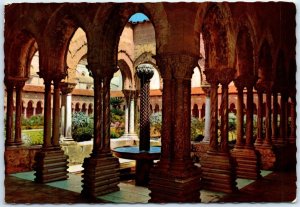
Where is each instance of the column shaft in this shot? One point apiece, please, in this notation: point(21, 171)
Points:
point(275, 117)
point(282, 118)
point(267, 140)
point(106, 114)
point(9, 115)
point(47, 115)
point(132, 115)
point(224, 119)
point(68, 116)
point(239, 118)
point(293, 121)
point(18, 138)
point(249, 118)
point(207, 119)
point(126, 117)
point(214, 117)
point(258, 140)
point(56, 114)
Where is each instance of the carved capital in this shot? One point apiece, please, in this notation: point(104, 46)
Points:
point(101, 71)
point(206, 89)
point(264, 86)
point(179, 66)
point(211, 76)
point(226, 75)
point(67, 88)
point(145, 72)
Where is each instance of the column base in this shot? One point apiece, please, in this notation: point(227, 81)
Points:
point(199, 149)
point(167, 188)
point(267, 156)
point(51, 165)
point(218, 173)
point(246, 163)
point(100, 175)
point(280, 142)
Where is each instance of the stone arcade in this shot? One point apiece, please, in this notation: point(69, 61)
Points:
point(244, 43)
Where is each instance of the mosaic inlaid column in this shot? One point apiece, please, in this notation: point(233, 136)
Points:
point(9, 113)
point(275, 117)
point(145, 73)
point(19, 87)
point(213, 144)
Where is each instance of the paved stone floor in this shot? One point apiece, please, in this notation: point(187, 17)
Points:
point(20, 188)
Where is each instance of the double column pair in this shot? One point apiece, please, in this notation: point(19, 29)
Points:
point(51, 163)
point(244, 153)
point(130, 98)
point(218, 173)
point(175, 178)
point(18, 84)
point(101, 169)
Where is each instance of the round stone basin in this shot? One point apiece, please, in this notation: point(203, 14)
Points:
point(134, 153)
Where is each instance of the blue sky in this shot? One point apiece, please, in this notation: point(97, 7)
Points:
point(138, 17)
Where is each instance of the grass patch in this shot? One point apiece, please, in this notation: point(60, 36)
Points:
point(32, 137)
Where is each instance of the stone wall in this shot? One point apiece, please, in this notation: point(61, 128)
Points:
point(20, 159)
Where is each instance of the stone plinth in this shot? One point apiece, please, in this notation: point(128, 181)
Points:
point(267, 155)
point(100, 175)
point(51, 165)
point(199, 149)
point(246, 163)
point(166, 188)
point(218, 173)
point(20, 159)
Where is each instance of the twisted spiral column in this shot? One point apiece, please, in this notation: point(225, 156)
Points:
point(145, 73)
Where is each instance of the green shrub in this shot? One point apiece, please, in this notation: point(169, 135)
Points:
point(116, 132)
point(197, 127)
point(82, 127)
point(155, 124)
point(34, 122)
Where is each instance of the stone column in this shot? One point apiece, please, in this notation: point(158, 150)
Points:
point(126, 113)
point(175, 170)
point(66, 89)
point(249, 118)
point(34, 111)
point(259, 139)
point(268, 140)
point(206, 89)
point(9, 113)
point(275, 118)
point(145, 73)
point(47, 115)
point(292, 138)
point(56, 114)
point(282, 132)
point(239, 117)
point(225, 77)
point(132, 116)
point(101, 169)
point(214, 116)
point(25, 113)
point(19, 87)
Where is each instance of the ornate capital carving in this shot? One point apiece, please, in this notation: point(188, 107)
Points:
point(206, 89)
point(145, 72)
point(179, 66)
point(226, 75)
point(100, 71)
point(66, 87)
point(211, 76)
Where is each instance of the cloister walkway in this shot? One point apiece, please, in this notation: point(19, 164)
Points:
point(20, 188)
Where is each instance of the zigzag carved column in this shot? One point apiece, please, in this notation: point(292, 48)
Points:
point(245, 156)
point(51, 162)
point(275, 118)
point(175, 178)
point(218, 173)
point(101, 169)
